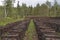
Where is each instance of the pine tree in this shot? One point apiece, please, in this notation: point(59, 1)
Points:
point(49, 6)
point(55, 7)
point(38, 9)
point(18, 10)
point(44, 10)
point(30, 10)
point(24, 10)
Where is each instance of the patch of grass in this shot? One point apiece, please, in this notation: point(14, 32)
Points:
point(58, 33)
point(0, 38)
point(9, 20)
point(30, 33)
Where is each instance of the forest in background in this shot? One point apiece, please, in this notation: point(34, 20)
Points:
point(8, 12)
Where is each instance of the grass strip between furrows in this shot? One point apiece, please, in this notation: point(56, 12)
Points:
point(31, 32)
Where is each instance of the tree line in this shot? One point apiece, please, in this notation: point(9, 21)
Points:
point(43, 10)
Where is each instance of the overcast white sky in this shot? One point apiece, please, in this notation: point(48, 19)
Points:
point(30, 2)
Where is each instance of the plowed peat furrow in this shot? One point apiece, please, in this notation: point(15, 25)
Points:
point(45, 32)
point(36, 29)
point(16, 32)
